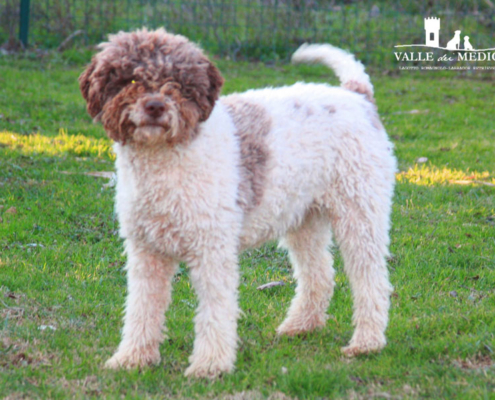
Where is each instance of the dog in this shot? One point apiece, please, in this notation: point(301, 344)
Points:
point(467, 44)
point(455, 43)
point(200, 178)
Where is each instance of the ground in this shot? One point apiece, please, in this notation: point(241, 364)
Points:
point(62, 284)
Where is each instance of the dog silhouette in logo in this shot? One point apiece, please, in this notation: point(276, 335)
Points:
point(467, 45)
point(455, 43)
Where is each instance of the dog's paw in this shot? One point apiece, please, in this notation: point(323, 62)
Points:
point(208, 370)
point(132, 359)
point(357, 347)
point(295, 326)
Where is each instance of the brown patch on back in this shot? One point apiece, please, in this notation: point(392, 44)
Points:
point(361, 88)
point(253, 124)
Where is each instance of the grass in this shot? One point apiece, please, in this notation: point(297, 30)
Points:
point(62, 282)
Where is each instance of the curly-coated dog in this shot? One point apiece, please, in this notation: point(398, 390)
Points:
point(201, 178)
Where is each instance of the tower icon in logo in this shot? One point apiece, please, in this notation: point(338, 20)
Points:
point(432, 28)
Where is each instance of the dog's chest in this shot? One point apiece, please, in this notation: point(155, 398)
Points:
point(171, 203)
point(160, 222)
point(153, 197)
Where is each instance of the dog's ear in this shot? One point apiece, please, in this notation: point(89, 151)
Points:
point(202, 84)
point(216, 83)
point(89, 84)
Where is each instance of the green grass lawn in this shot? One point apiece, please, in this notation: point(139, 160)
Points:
point(62, 284)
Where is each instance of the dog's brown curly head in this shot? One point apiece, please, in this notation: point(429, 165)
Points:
point(149, 87)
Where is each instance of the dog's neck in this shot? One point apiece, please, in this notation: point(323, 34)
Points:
point(148, 159)
point(215, 137)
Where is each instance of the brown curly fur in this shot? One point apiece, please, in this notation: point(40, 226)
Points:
point(131, 66)
point(252, 125)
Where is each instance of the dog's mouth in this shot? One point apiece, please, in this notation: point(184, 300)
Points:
point(144, 122)
point(154, 124)
point(152, 133)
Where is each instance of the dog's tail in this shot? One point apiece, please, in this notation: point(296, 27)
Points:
point(350, 71)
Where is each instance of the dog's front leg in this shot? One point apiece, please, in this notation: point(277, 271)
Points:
point(149, 281)
point(215, 277)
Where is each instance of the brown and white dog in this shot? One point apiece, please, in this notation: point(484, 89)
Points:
point(200, 179)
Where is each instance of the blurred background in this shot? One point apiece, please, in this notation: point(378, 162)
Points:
point(261, 30)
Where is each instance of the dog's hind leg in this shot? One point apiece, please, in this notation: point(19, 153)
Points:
point(149, 281)
point(360, 222)
point(312, 263)
point(215, 277)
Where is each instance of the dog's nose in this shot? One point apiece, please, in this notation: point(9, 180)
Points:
point(154, 108)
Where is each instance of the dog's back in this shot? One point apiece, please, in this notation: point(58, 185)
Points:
point(312, 128)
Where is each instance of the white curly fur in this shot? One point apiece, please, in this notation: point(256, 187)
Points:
point(343, 63)
point(330, 170)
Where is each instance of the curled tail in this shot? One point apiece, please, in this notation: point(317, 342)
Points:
point(350, 71)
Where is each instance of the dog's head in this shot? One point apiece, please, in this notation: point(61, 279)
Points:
point(150, 87)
